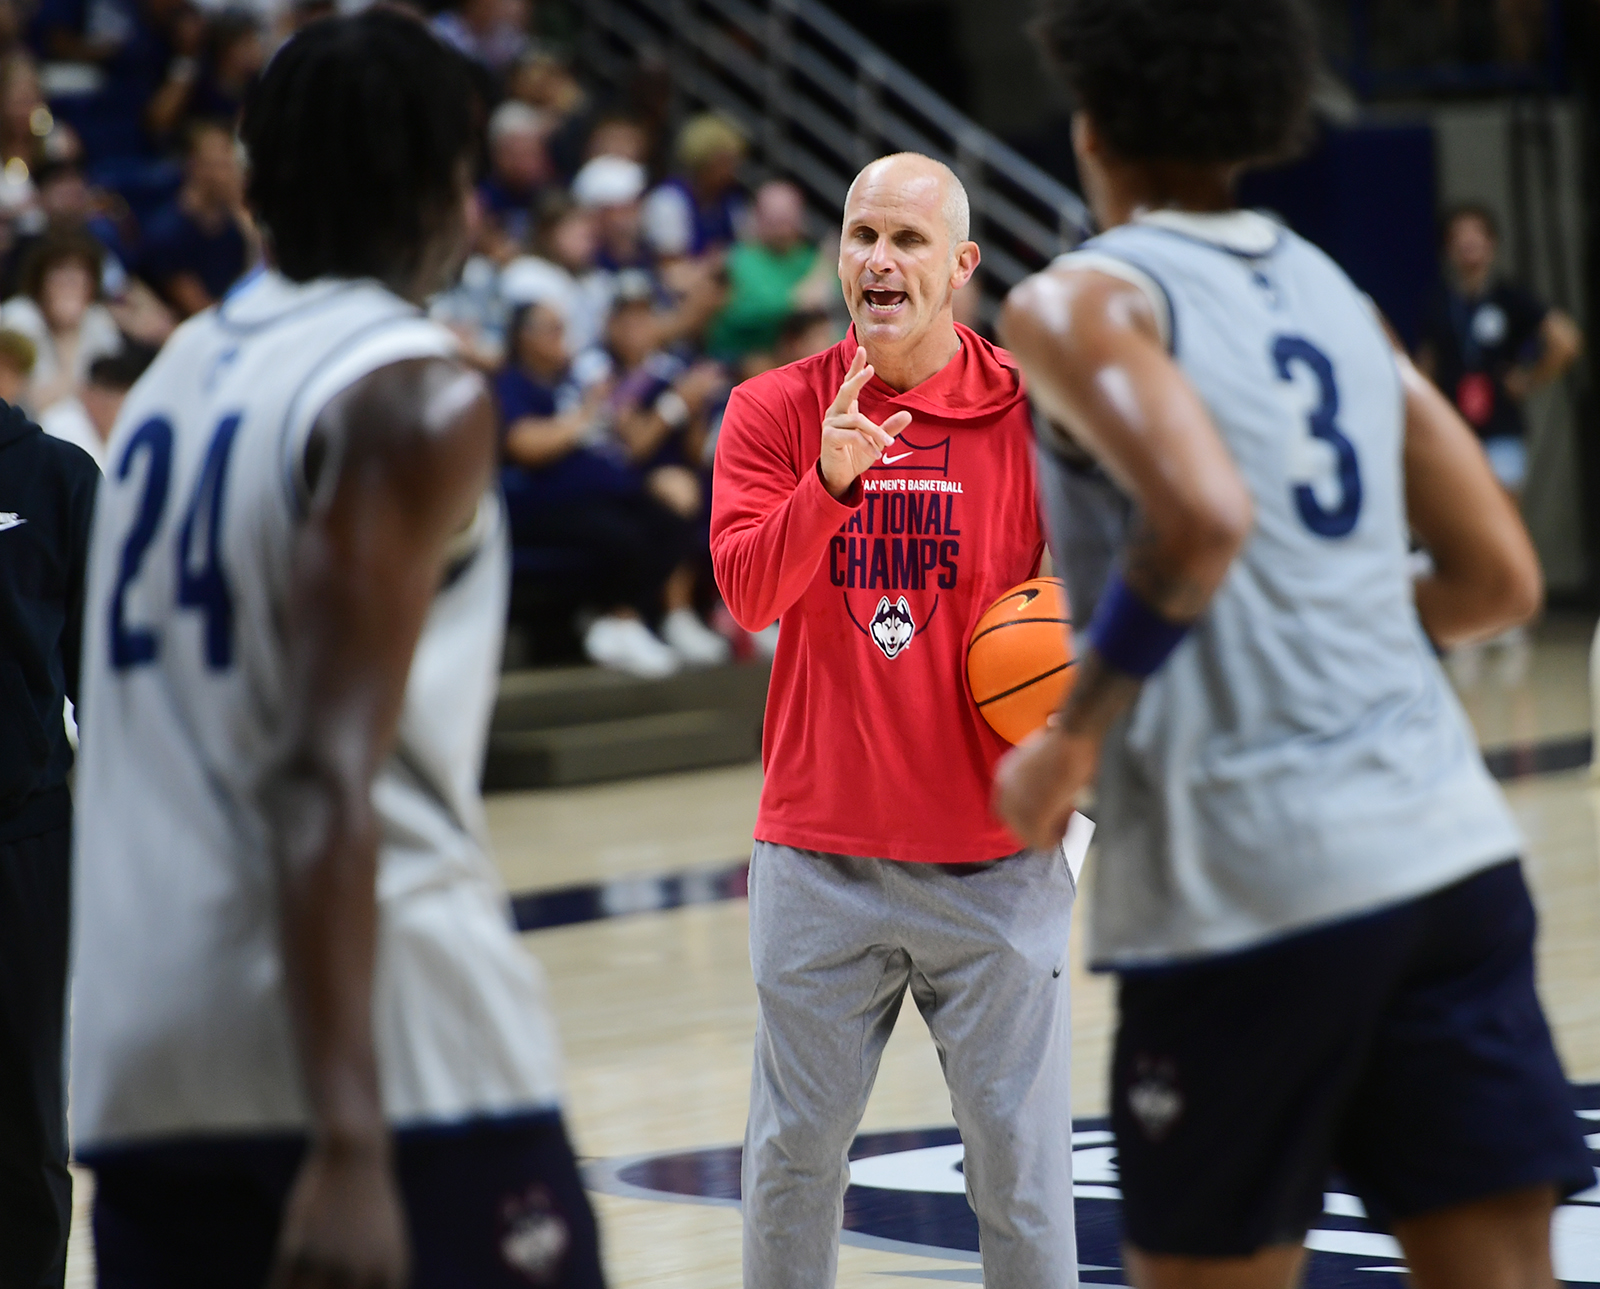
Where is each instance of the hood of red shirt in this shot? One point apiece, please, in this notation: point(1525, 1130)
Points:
point(980, 384)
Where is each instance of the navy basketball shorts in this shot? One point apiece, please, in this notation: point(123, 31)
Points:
point(1405, 1048)
point(491, 1204)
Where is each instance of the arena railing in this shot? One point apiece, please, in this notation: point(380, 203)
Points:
point(817, 101)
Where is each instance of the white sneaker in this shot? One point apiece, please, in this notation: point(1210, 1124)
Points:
point(693, 641)
point(626, 644)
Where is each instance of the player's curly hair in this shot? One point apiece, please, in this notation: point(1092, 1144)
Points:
point(361, 134)
point(1205, 81)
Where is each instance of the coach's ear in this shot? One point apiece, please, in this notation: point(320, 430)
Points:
point(964, 265)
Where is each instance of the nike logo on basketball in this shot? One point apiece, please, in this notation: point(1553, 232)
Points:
point(10, 519)
point(892, 460)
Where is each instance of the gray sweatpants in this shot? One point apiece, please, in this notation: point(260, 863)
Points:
point(835, 942)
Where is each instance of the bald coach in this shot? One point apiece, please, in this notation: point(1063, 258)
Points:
point(877, 498)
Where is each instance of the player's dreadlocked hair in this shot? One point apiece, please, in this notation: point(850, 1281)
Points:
point(1187, 80)
point(360, 136)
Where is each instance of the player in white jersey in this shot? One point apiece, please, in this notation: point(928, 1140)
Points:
point(306, 1044)
point(1307, 881)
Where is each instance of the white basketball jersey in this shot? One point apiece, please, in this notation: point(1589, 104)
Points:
point(179, 1020)
point(1301, 757)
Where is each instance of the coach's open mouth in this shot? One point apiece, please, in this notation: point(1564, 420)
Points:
point(880, 300)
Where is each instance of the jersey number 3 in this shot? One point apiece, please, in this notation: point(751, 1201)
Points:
point(201, 581)
point(1287, 351)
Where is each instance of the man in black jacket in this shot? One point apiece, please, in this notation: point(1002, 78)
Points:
point(47, 489)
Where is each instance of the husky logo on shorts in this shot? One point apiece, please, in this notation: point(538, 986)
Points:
point(892, 626)
point(536, 1237)
point(1154, 1098)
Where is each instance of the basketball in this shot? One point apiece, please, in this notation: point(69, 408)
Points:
point(1019, 660)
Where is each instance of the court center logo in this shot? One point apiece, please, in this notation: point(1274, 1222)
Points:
point(892, 626)
point(907, 1194)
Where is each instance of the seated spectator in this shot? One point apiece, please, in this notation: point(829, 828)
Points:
point(547, 84)
point(543, 81)
point(30, 136)
point(804, 333)
point(233, 57)
point(770, 276)
point(200, 244)
point(145, 53)
point(662, 398)
point(661, 408)
point(59, 310)
point(493, 33)
point(68, 202)
point(16, 365)
point(610, 188)
point(65, 200)
point(519, 168)
point(569, 486)
point(689, 294)
point(159, 68)
point(646, 372)
point(565, 248)
point(619, 136)
point(473, 308)
point(87, 420)
point(13, 19)
point(699, 209)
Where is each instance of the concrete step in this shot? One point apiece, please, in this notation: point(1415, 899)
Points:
point(558, 697)
point(598, 750)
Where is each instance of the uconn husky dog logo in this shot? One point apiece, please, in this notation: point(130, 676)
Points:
point(892, 626)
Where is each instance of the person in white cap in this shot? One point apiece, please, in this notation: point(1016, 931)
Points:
point(519, 167)
point(564, 247)
point(611, 187)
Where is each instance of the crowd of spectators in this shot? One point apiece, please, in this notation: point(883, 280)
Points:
point(620, 284)
point(622, 278)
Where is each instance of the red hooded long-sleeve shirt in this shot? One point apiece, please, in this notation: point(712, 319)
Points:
point(873, 745)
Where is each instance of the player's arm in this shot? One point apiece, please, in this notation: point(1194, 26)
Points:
point(1485, 575)
point(407, 453)
point(1091, 350)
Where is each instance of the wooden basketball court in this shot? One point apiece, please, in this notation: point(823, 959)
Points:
point(652, 984)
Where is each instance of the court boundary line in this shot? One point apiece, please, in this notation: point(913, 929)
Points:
point(549, 909)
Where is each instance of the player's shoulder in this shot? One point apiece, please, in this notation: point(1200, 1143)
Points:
point(1187, 239)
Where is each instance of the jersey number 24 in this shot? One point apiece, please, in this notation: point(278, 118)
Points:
point(201, 581)
point(1287, 353)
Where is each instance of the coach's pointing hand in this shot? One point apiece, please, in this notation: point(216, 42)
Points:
point(850, 442)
